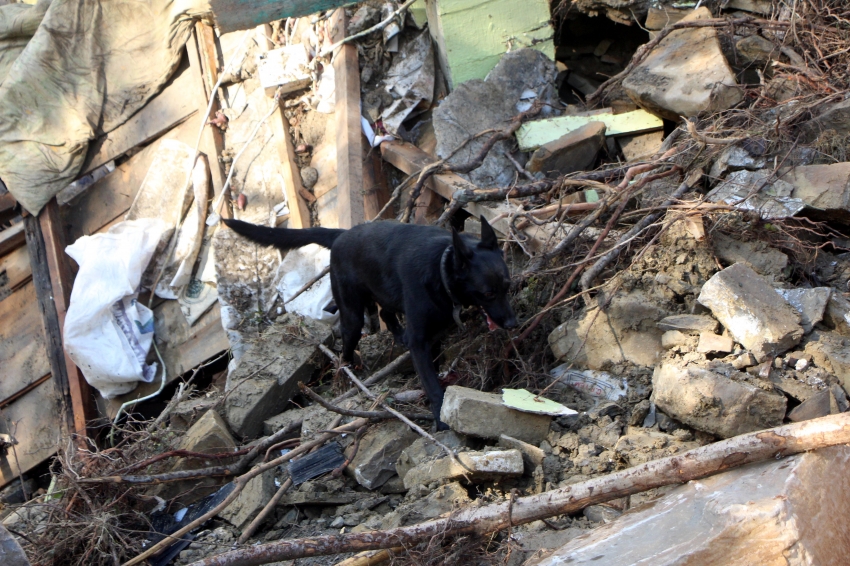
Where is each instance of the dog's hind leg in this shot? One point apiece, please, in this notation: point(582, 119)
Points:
point(352, 307)
point(394, 326)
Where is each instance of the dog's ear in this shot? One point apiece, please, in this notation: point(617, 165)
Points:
point(462, 253)
point(488, 236)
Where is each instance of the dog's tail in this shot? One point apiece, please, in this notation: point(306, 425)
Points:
point(284, 238)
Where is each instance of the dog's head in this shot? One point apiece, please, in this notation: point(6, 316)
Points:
point(481, 277)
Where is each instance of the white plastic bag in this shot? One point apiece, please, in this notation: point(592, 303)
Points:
point(107, 332)
point(296, 270)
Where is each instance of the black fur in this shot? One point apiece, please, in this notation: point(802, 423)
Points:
point(398, 267)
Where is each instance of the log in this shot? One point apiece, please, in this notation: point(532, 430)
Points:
point(694, 464)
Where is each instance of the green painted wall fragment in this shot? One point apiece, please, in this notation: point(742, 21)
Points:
point(532, 135)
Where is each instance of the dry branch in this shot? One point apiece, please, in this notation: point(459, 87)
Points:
point(354, 413)
point(694, 464)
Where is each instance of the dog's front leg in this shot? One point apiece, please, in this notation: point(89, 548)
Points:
point(420, 351)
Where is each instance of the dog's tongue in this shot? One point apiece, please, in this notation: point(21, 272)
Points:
point(490, 324)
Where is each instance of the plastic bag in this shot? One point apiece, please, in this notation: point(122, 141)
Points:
point(297, 269)
point(107, 332)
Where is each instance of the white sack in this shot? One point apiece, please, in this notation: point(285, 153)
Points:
point(296, 270)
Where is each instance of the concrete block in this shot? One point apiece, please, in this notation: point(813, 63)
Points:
point(572, 152)
point(270, 370)
point(810, 303)
point(476, 413)
point(283, 420)
point(532, 456)
point(641, 146)
point(710, 343)
point(379, 449)
point(715, 403)
point(685, 74)
point(250, 501)
point(423, 450)
point(788, 512)
point(746, 304)
point(478, 467)
point(689, 323)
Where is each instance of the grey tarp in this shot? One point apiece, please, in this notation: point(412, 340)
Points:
point(89, 66)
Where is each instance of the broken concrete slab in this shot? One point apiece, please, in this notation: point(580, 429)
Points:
point(423, 450)
point(758, 191)
point(188, 412)
point(758, 255)
point(270, 370)
point(626, 331)
point(735, 158)
point(481, 414)
point(444, 499)
point(538, 133)
point(714, 403)
point(836, 316)
point(283, 420)
point(789, 511)
point(831, 351)
point(478, 105)
point(532, 456)
point(11, 553)
point(375, 461)
point(641, 146)
point(689, 323)
point(710, 343)
point(810, 303)
point(572, 152)
point(822, 187)
point(820, 404)
point(744, 302)
point(685, 74)
point(477, 466)
point(250, 501)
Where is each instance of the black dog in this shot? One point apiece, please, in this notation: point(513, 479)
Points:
point(423, 272)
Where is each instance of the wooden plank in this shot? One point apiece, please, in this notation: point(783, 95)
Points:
point(82, 395)
point(22, 345)
point(50, 319)
point(14, 271)
point(232, 15)
point(299, 214)
point(12, 238)
point(376, 192)
point(34, 420)
point(349, 166)
point(532, 135)
point(202, 49)
point(182, 347)
point(164, 111)
point(110, 197)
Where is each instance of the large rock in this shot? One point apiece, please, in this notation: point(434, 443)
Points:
point(379, 449)
point(476, 466)
point(481, 414)
point(822, 187)
point(708, 401)
point(762, 258)
point(11, 553)
point(786, 512)
point(267, 376)
point(626, 331)
point(423, 450)
point(831, 351)
point(478, 105)
point(810, 303)
point(748, 306)
point(685, 74)
point(574, 151)
point(285, 419)
point(250, 501)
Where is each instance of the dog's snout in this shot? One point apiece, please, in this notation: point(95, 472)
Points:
point(510, 324)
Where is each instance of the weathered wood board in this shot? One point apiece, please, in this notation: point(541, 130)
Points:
point(14, 271)
point(23, 357)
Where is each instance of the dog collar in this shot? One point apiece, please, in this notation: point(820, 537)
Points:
point(456, 306)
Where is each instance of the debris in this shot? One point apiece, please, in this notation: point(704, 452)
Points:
point(699, 522)
point(375, 461)
point(818, 405)
point(710, 343)
point(685, 74)
point(601, 513)
point(822, 187)
point(268, 375)
point(810, 303)
point(313, 465)
point(528, 402)
point(284, 420)
point(532, 456)
point(250, 501)
point(758, 191)
point(410, 81)
point(476, 466)
point(740, 299)
point(763, 259)
point(836, 316)
point(539, 133)
point(571, 152)
point(481, 414)
point(11, 553)
point(597, 384)
point(639, 445)
point(309, 176)
point(708, 401)
point(286, 68)
point(688, 323)
point(640, 146)
point(444, 499)
point(673, 338)
point(829, 350)
point(735, 158)
point(423, 450)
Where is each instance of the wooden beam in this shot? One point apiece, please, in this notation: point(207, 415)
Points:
point(82, 395)
point(376, 192)
point(349, 163)
point(299, 214)
point(14, 271)
point(232, 15)
point(12, 238)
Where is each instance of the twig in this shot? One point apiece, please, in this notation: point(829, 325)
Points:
point(693, 464)
point(376, 27)
point(182, 454)
point(520, 169)
point(707, 140)
point(354, 413)
point(258, 520)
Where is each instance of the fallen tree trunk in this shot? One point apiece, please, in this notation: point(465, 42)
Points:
point(694, 464)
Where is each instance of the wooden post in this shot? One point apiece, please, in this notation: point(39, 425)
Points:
point(376, 193)
point(349, 164)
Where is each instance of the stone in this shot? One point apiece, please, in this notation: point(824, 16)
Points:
point(250, 501)
point(790, 511)
point(626, 331)
point(710, 343)
point(771, 200)
point(375, 461)
point(640, 445)
point(476, 413)
point(186, 413)
point(478, 105)
point(689, 323)
point(320, 498)
point(532, 456)
point(836, 316)
point(756, 49)
point(601, 513)
point(825, 188)
point(423, 450)
point(477, 466)
point(831, 351)
point(270, 370)
point(283, 420)
point(820, 404)
point(810, 303)
point(659, 16)
point(673, 338)
point(743, 361)
point(11, 553)
point(763, 259)
point(641, 146)
point(444, 499)
point(575, 151)
point(309, 177)
point(685, 74)
point(834, 116)
point(735, 158)
point(714, 403)
point(745, 303)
